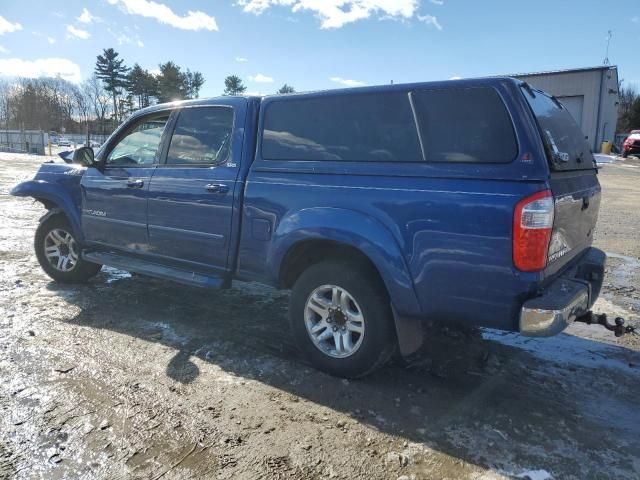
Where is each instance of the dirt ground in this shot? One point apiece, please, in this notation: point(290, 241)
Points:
point(131, 377)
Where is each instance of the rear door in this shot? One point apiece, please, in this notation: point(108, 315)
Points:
point(573, 179)
point(114, 199)
point(191, 193)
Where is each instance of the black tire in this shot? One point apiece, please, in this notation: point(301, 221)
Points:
point(363, 284)
point(80, 272)
point(625, 154)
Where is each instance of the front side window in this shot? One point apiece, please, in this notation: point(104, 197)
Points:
point(376, 127)
point(202, 136)
point(139, 147)
point(465, 125)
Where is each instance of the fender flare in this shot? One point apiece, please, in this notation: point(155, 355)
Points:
point(56, 195)
point(374, 240)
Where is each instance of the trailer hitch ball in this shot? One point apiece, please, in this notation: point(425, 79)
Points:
point(618, 327)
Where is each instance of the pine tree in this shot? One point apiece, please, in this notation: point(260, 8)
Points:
point(142, 85)
point(286, 89)
point(233, 85)
point(194, 81)
point(113, 74)
point(172, 84)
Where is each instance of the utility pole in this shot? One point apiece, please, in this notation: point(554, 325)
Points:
point(606, 56)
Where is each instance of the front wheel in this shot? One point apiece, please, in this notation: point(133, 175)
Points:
point(58, 252)
point(341, 318)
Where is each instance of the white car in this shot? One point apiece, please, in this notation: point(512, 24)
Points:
point(64, 142)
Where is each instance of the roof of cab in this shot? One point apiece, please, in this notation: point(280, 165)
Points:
point(465, 82)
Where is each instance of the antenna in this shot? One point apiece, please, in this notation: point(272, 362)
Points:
point(606, 56)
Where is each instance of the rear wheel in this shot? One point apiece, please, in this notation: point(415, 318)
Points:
point(58, 252)
point(341, 318)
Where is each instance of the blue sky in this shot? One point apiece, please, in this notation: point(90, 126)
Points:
point(318, 44)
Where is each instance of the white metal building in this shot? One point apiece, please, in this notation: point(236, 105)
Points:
point(590, 94)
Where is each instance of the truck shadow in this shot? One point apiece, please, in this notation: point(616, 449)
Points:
point(482, 401)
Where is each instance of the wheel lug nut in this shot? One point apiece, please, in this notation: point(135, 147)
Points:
point(335, 329)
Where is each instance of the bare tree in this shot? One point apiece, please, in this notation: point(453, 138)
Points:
point(98, 98)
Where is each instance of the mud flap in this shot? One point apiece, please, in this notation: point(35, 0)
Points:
point(409, 333)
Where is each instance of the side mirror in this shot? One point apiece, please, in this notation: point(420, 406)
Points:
point(84, 156)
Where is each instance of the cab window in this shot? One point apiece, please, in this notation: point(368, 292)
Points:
point(202, 136)
point(139, 146)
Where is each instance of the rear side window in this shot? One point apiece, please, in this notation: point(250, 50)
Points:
point(202, 136)
point(364, 127)
point(566, 146)
point(465, 125)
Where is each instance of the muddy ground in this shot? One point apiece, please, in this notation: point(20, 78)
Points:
point(131, 377)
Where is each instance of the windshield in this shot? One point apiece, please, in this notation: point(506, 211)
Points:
point(566, 146)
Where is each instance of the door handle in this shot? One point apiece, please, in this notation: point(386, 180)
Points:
point(135, 184)
point(217, 188)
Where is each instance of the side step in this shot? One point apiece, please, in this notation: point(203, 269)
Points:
point(135, 265)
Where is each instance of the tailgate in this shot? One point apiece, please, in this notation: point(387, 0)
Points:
point(577, 201)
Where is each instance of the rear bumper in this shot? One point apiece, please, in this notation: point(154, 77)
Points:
point(566, 298)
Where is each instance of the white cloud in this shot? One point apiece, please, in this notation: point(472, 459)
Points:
point(7, 27)
point(430, 20)
point(241, 59)
point(123, 38)
point(337, 13)
point(3, 49)
point(193, 20)
point(73, 32)
point(347, 82)
point(86, 17)
point(260, 78)
point(155, 71)
point(437, 2)
point(42, 67)
point(50, 40)
point(456, 78)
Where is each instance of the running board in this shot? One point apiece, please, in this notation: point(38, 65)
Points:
point(154, 270)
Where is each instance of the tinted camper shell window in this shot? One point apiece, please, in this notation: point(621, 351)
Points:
point(453, 125)
point(376, 127)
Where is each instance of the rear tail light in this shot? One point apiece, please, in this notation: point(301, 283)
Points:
point(532, 225)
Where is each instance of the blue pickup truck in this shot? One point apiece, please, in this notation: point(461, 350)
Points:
point(469, 201)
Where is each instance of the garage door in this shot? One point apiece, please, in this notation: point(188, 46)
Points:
point(574, 105)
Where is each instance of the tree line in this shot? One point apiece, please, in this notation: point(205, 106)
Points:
point(628, 109)
point(103, 101)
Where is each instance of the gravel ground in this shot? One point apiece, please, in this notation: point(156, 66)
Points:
point(131, 377)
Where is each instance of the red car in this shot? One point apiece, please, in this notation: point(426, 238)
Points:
point(631, 145)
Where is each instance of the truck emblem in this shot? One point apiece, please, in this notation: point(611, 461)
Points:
point(95, 213)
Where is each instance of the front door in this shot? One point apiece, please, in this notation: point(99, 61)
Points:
point(191, 193)
point(114, 198)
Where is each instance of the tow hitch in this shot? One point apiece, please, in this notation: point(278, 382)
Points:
point(618, 326)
